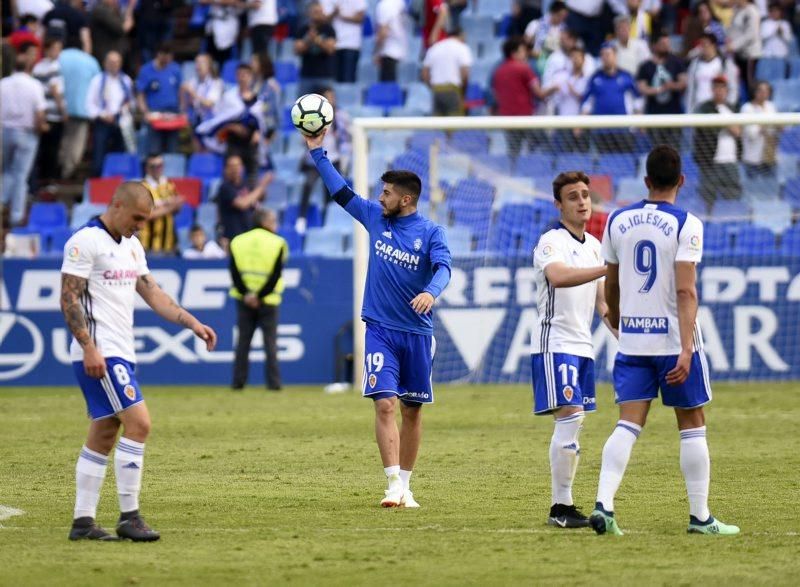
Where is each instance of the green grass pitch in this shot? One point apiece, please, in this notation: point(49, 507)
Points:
point(274, 489)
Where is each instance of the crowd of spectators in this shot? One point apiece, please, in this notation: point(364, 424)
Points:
point(103, 73)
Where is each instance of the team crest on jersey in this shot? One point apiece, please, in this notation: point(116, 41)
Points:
point(568, 393)
point(694, 242)
point(130, 392)
point(547, 250)
point(372, 380)
point(417, 244)
point(73, 253)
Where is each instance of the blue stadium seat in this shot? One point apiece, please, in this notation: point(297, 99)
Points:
point(791, 193)
point(790, 242)
point(453, 167)
point(630, 189)
point(501, 163)
point(185, 217)
point(760, 188)
point(475, 142)
point(716, 238)
point(367, 72)
point(286, 72)
point(174, 165)
point(534, 164)
point(184, 240)
point(512, 232)
point(348, 94)
point(731, 209)
point(413, 161)
point(616, 165)
point(794, 68)
point(293, 238)
point(204, 166)
point(754, 240)
point(47, 216)
point(480, 72)
point(576, 162)
point(478, 27)
point(337, 218)
point(545, 211)
point(207, 217)
point(421, 142)
point(313, 216)
point(470, 201)
point(771, 69)
point(54, 244)
point(187, 70)
point(407, 72)
point(384, 95)
point(400, 111)
point(278, 194)
point(773, 214)
point(789, 141)
point(786, 95)
point(210, 189)
point(83, 212)
point(419, 96)
point(494, 8)
point(228, 73)
point(365, 111)
point(285, 165)
point(788, 168)
point(126, 165)
point(459, 240)
point(324, 242)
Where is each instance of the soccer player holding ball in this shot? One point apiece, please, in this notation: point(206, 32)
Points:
point(652, 249)
point(104, 268)
point(568, 272)
point(409, 267)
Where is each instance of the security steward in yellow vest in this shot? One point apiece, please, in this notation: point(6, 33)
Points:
point(256, 265)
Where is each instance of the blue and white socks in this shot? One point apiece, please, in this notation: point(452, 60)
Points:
point(90, 472)
point(564, 457)
point(696, 469)
point(128, 462)
point(616, 454)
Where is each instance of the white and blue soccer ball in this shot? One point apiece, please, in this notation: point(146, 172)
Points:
point(311, 114)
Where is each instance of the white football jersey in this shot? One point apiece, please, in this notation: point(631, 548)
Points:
point(112, 269)
point(565, 313)
point(646, 240)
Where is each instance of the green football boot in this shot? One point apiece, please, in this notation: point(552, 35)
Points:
point(711, 526)
point(603, 522)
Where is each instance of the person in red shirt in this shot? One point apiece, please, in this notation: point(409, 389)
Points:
point(515, 88)
point(434, 29)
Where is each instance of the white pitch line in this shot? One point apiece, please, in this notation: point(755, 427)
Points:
point(8, 512)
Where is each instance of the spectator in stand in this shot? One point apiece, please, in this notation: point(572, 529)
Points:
point(516, 89)
point(543, 34)
point(202, 247)
point(315, 43)
point(715, 148)
point(244, 133)
point(776, 33)
point(662, 81)
point(22, 115)
point(560, 65)
point(744, 40)
point(391, 38)
point(347, 17)
point(262, 17)
point(48, 72)
point(37, 8)
point(631, 52)
point(158, 233)
point(78, 69)
point(589, 21)
point(268, 91)
point(523, 12)
point(566, 94)
point(67, 21)
point(454, 10)
point(708, 65)
point(446, 70)
point(435, 22)
point(222, 29)
point(640, 18)
point(28, 32)
point(110, 28)
point(154, 22)
point(338, 145)
point(610, 91)
point(702, 22)
point(158, 96)
point(236, 202)
point(109, 101)
point(202, 92)
point(760, 142)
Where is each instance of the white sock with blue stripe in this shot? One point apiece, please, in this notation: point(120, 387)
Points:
point(128, 463)
point(696, 469)
point(564, 457)
point(90, 472)
point(616, 454)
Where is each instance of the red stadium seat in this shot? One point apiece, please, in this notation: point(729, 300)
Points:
point(101, 189)
point(597, 223)
point(190, 189)
point(602, 186)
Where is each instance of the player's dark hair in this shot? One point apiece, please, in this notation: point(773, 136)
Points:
point(511, 46)
point(406, 182)
point(567, 178)
point(557, 6)
point(245, 67)
point(50, 41)
point(197, 228)
point(711, 38)
point(27, 19)
point(663, 167)
point(165, 47)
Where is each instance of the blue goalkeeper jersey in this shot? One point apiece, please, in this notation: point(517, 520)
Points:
point(404, 253)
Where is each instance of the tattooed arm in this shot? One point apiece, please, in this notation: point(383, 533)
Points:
point(73, 288)
point(167, 308)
